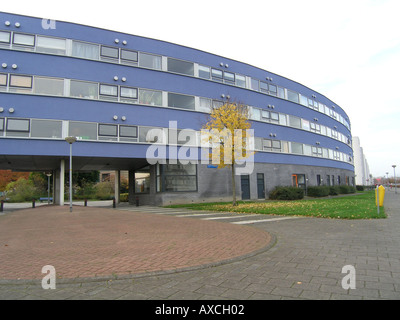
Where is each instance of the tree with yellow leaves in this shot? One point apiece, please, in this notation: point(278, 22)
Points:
point(228, 133)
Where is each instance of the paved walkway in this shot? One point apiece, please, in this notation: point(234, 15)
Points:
point(305, 263)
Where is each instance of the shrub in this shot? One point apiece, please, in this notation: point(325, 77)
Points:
point(343, 189)
point(360, 188)
point(334, 190)
point(320, 191)
point(104, 190)
point(124, 197)
point(286, 193)
point(22, 190)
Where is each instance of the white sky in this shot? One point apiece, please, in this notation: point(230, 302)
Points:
point(348, 50)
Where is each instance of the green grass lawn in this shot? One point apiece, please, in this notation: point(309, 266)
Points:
point(360, 206)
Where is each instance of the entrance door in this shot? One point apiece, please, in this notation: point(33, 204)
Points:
point(260, 186)
point(245, 184)
point(299, 180)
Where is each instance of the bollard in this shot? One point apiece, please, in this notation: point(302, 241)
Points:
point(85, 202)
point(2, 206)
point(137, 201)
point(33, 203)
point(114, 203)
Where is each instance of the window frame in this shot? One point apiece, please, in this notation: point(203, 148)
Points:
point(9, 37)
point(4, 74)
point(127, 97)
point(108, 56)
point(20, 75)
point(99, 134)
point(127, 136)
point(108, 85)
point(24, 34)
point(126, 59)
point(19, 119)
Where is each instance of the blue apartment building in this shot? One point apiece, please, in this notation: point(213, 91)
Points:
point(109, 89)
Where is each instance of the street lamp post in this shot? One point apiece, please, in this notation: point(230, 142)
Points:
point(394, 170)
point(70, 140)
point(48, 187)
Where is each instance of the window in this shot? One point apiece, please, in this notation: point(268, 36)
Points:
point(281, 93)
point(109, 52)
point(204, 72)
point(3, 79)
point(305, 124)
point(18, 125)
point(108, 90)
point(150, 97)
point(274, 116)
point(129, 56)
point(241, 81)
point(267, 144)
point(317, 152)
point(176, 178)
point(5, 37)
point(303, 100)
point(216, 74)
point(81, 89)
point(181, 101)
point(108, 132)
point(294, 122)
point(85, 50)
point(142, 180)
point(229, 77)
point(205, 105)
point(51, 45)
point(264, 87)
point(276, 145)
point(20, 81)
point(255, 114)
point(24, 39)
point(255, 85)
point(128, 131)
point(149, 61)
point(1, 124)
point(180, 137)
point(83, 130)
point(265, 115)
point(49, 86)
point(297, 147)
point(272, 90)
point(293, 96)
point(156, 135)
point(129, 93)
point(179, 66)
point(46, 129)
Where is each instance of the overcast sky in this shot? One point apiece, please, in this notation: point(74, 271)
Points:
point(348, 50)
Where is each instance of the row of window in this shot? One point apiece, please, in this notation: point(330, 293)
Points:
point(93, 90)
point(54, 129)
point(93, 51)
point(298, 123)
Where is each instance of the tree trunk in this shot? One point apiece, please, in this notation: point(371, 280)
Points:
point(233, 185)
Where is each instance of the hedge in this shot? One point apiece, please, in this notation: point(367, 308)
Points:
point(286, 193)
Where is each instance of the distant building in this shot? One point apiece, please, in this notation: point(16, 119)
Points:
point(361, 168)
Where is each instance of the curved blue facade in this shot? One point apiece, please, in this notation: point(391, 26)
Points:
point(108, 88)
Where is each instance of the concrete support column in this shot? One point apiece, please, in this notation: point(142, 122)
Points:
point(58, 184)
point(117, 185)
point(131, 187)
